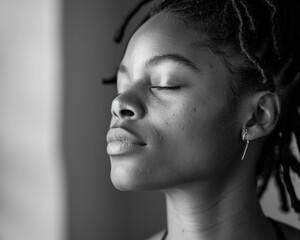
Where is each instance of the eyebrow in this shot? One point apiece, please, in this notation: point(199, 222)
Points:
point(160, 59)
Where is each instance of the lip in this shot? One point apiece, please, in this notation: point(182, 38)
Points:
point(121, 141)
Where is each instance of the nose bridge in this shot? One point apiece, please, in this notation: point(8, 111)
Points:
point(129, 104)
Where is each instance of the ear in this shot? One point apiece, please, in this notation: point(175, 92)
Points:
point(264, 116)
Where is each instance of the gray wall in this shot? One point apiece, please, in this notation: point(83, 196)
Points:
point(95, 209)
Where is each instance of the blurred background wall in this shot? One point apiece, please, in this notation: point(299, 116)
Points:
point(32, 177)
point(55, 111)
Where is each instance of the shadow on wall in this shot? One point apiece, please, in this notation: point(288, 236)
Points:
point(96, 209)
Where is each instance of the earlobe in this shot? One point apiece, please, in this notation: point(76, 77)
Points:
point(265, 115)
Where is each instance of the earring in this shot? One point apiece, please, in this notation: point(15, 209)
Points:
point(247, 143)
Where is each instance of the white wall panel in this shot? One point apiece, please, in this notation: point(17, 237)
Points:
point(31, 168)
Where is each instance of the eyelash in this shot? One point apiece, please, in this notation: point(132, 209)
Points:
point(159, 88)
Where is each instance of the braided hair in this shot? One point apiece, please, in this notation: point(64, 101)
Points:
point(265, 34)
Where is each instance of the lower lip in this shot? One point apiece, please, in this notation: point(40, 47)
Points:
point(122, 147)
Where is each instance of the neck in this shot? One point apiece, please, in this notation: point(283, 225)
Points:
point(212, 211)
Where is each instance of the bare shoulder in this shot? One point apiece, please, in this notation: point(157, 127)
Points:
point(157, 236)
point(290, 232)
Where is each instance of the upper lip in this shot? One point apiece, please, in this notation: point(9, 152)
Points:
point(122, 135)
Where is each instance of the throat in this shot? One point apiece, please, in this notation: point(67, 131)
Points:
point(230, 214)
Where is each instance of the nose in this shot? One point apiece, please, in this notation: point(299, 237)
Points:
point(128, 106)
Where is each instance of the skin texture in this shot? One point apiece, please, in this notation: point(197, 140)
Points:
point(172, 130)
point(186, 130)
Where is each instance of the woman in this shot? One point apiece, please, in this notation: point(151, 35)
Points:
point(207, 106)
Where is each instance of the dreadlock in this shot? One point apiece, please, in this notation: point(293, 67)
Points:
point(266, 34)
point(120, 33)
point(243, 44)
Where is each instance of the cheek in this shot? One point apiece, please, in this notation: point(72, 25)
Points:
point(195, 140)
point(187, 123)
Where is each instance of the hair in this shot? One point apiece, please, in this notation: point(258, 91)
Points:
point(265, 34)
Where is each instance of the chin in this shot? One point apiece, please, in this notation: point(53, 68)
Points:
point(125, 180)
point(127, 185)
point(129, 175)
point(130, 180)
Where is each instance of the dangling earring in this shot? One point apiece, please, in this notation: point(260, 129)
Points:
point(247, 143)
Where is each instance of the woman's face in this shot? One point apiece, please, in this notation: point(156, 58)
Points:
point(171, 122)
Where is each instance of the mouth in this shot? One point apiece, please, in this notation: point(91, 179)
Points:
point(120, 141)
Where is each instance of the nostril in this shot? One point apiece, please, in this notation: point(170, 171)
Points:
point(127, 113)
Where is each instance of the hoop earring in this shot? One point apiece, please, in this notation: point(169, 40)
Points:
point(247, 144)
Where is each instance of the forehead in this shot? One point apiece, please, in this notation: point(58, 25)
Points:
point(166, 33)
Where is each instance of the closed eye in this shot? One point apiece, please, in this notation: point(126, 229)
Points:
point(159, 88)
